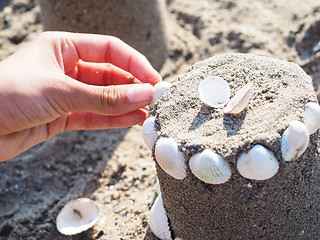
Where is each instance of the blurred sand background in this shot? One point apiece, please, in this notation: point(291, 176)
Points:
point(114, 167)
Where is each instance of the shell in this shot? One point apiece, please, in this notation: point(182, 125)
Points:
point(158, 90)
point(258, 164)
point(158, 220)
point(312, 117)
point(158, 190)
point(294, 140)
point(149, 133)
point(170, 159)
point(214, 92)
point(240, 101)
point(210, 167)
point(77, 216)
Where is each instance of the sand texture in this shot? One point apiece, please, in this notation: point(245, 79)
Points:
point(114, 167)
point(283, 207)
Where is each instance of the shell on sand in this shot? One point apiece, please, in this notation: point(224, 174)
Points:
point(77, 216)
point(214, 92)
point(294, 140)
point(258, 164)
point(210, 167)
point(149, 133)
point(158, 220)
point(312, 117)
point(158, 90)
point(240, 101)
point(170, 159)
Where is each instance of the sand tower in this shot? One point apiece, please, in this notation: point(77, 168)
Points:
point(140, 23)
point(242, 164)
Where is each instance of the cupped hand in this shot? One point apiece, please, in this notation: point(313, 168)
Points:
point(67, 81)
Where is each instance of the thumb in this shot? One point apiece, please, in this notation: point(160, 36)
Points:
point(108, 100)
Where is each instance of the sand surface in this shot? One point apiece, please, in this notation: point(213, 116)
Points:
point(114, 167)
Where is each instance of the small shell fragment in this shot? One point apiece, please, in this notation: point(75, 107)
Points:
point(158, 221)
point(210, 167)
point(214, 92)
point(77, 216)
point(240, 101)
point(170, 159)
point(294, 140)
point(158, 90)
point(149, 133)
point(158, 190)
point(258, 164)
point(312, 117)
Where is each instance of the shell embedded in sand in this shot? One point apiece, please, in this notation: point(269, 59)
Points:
point(312, 117)
point(214, 92)
point(158, 221)
point(294, 140)
point(158, 90)
point(158, 190)
point(149, 134)
point(210, 167)
point(170, 159)
point(258, 164)
point(240, 101)
point(77, 216)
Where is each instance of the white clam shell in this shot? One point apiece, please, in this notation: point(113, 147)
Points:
point(210, 167)
point(77, 216)
point(214, 92)
point(240, 101)
point(149, 133)
point(312, 117)
point(258, 164)
point(170, 159)
point(158, 220)
point(158, 90)
point(294, 140)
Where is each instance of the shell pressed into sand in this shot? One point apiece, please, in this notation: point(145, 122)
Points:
point(149, 133)
point(158, 220)
point(240, 101)
point(258, 164)
point(214, 92)
point(312, 117)
point(294, 140)
point(77, 216)
point(210, 167)
point(158, 190)
point(158, 90)
point(170, 159)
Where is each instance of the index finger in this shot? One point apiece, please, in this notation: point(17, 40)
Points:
point(108, 49)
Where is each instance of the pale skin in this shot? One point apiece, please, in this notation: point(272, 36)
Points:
point(66, 81)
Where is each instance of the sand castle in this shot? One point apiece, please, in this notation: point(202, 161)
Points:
point(246, 167)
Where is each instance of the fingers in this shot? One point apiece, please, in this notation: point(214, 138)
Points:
point(102, 74)
point(107, 100)
point(14, 143)
point(92, 121)
point(107, 49)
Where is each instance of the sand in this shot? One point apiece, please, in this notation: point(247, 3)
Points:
point(114, 166)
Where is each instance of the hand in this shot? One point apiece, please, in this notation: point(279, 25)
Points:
point(66, 81)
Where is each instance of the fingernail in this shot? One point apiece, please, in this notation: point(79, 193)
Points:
point(138, 93)
point(145, 113)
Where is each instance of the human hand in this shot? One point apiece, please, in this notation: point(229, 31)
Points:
point(67, 81)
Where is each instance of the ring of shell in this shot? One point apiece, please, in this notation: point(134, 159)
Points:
point(259, 163)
